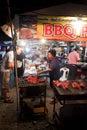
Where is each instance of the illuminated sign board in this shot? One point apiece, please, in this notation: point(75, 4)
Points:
point(53, 27)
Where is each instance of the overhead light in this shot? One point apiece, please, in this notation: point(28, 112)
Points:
point(43, 40)
point(78, 25)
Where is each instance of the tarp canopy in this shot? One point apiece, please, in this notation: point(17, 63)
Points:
point(66, 9)
point(21, 6)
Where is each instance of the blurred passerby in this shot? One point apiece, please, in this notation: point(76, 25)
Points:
point(6, 68)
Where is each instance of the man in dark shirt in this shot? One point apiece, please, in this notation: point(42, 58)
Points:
point(54, 67)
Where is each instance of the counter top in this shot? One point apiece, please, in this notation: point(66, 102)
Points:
point(24, 83)
point(70, 93)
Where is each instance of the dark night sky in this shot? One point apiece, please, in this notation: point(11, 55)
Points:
point(21, 6)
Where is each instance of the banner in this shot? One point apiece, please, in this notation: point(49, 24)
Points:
point(62, 28)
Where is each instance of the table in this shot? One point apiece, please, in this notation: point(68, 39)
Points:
point(71, 114)
point(70, 94)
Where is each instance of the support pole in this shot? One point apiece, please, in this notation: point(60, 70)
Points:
point(14, 39)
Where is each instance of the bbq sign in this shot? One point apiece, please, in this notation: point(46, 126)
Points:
point(58, 30)
point(62, 28)
point(53, 27)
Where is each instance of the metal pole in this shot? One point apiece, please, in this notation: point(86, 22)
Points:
point(14, 38)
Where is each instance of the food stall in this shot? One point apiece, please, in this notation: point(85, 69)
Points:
point(47, 31)
point(32, 97)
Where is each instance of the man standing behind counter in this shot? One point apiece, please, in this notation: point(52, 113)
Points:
point(73, 59)
point(54, 67)
point(74, 56)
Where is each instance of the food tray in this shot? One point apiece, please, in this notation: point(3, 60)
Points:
point(23, 83)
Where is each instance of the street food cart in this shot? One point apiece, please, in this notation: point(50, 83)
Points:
point(72, 95)
point(32, 97)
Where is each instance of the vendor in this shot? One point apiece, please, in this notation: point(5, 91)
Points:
point(74, 56)
point(73, 59)
point(54, 67)
point(21, 60)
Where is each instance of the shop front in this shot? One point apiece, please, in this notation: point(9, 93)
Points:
point(41, 33)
